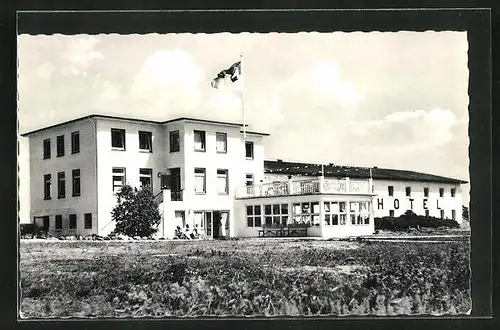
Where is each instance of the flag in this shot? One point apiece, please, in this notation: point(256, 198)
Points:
point(233, 73)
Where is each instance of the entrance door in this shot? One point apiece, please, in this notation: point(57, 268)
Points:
point(175, 183)
point(213, 221)
point(216, 229)
point(208, 224)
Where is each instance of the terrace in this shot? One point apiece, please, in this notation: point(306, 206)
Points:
point(318, 185)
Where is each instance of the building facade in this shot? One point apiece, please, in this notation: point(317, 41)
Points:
point(395, 191)
point(210, 175)
point(77, 167)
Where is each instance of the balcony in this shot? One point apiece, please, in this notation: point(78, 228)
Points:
point(176, 196)
point(306, 187)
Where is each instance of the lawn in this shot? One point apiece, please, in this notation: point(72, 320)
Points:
point(242, 277)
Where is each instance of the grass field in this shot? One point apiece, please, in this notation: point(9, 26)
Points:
point(242, 277)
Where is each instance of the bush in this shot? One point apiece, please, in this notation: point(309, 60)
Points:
point(27, 229)
point(136, 213)
point(411, 220)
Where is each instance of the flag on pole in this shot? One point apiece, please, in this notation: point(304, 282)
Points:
point(233, 72)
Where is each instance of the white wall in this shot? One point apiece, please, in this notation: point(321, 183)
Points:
point(234, 161)
point(84, 160)
point(447, 203)
point(23, 175)
point(174, 159)
point(383, 203)
point(131, 158)
point(242, 230)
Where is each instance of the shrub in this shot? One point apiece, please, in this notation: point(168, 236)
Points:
point(136, 213)
point(411, 220)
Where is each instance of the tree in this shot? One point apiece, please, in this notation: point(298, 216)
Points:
point(136, 213)
point(465, 213)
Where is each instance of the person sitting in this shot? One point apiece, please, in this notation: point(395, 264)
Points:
point(188, 232)
point(196, 233)
point(178, 233)
point(201, 233)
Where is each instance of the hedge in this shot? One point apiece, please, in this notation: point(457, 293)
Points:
point(411, 220)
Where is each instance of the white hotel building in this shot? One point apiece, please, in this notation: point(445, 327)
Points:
point(206, 173)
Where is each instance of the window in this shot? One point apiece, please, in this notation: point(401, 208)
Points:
point(146, 178)
point(441, 192)
point(87, 219)
point(118, 139)
point(119, 178)
point(46, 223)
point(391, 213)
point(427, 213)
point(442, 214)
point(198, 219)
point(46, 149)
point(58, 222)
point(199, 141)
point(221, 142)
point(222, 182)
point(408, 191)
point(60, 146)
point(426, 192)
point(174, 141)
point(306, 213)
point(72, 221)
point(254, 216)
point(145, 141)
point(452, 192)
point(333, 214)
point(276, 214)
point(61, 185)
point(46, 186)
point(249, 179)
point(359, 213)
point(76, 182)
point(390, 191)
point(199, 181)
point(75, 142)
point(454, 214)
point(249, 149)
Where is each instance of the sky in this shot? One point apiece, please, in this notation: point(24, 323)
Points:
point(386, 99)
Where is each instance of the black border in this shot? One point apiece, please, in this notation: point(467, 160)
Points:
point(476, 22)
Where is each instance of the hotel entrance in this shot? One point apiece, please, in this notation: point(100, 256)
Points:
point(215, 224)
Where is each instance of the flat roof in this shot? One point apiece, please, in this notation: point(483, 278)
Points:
point(331, 170)
point(256, 133)
point(204, 121)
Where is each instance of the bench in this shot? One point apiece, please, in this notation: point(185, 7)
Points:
point(295, 231)
point(283, 232)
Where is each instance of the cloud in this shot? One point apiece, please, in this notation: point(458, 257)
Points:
point(80, 52)
point(320, 84)
point(409, 130)
point(108, 94)
point(168, 79)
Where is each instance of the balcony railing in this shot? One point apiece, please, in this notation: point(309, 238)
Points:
point(176, 196)
point(305, 187)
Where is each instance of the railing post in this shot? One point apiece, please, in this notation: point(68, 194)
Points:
point(290, 187)
point(347, 184)
point(321, 183)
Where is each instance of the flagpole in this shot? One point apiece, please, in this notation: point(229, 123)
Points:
point(243, 96)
